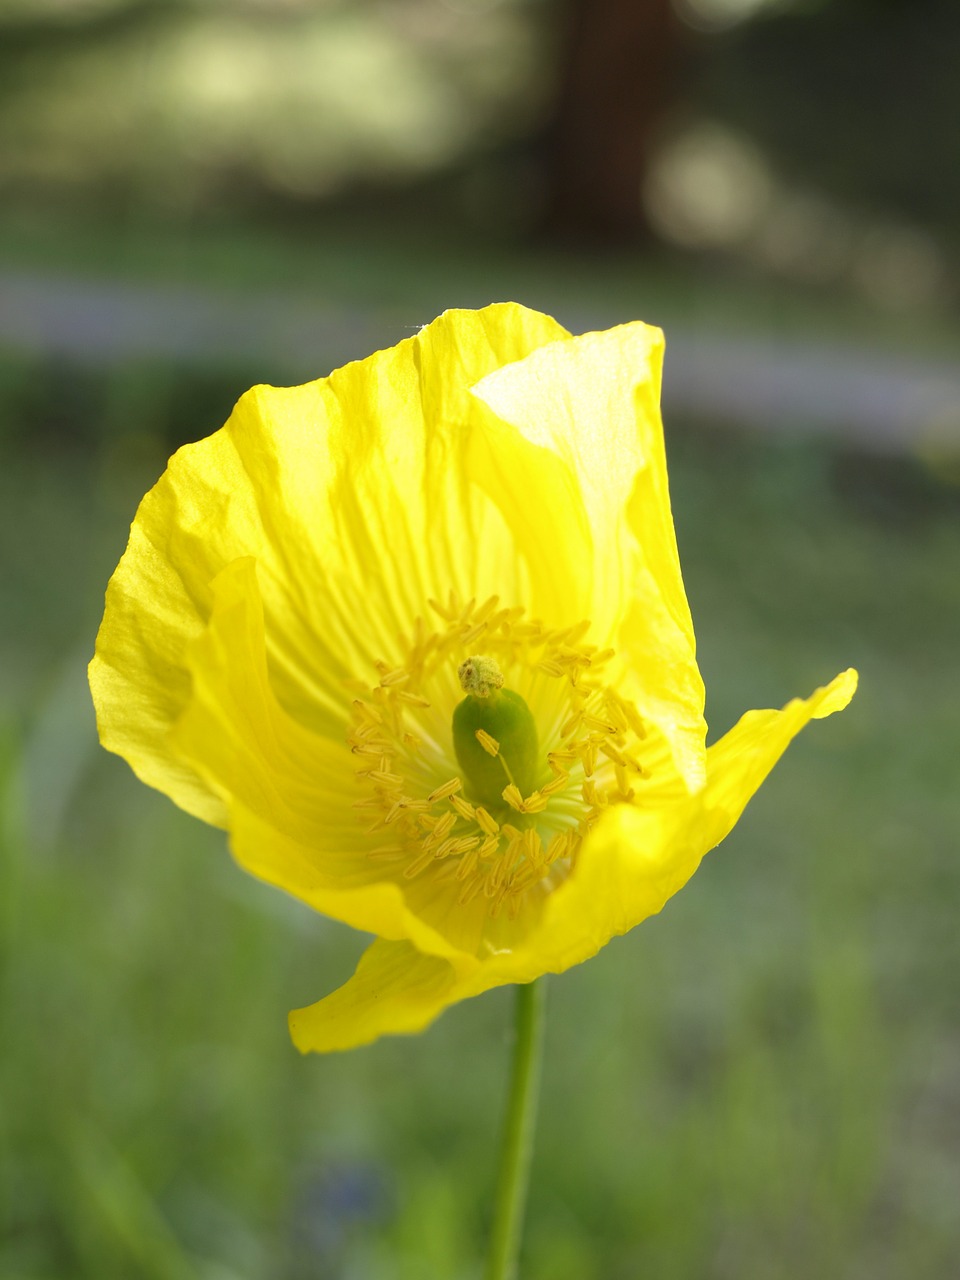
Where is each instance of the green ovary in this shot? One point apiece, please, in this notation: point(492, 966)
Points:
point(505, 717)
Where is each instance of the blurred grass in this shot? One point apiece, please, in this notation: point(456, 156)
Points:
point(423, 258)
point(760, 1084)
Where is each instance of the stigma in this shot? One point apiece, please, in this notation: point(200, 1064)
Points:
point(480, 676)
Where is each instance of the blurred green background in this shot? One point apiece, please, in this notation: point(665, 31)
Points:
point(764, 1082)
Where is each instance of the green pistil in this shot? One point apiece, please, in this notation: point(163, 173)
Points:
point(503, 716)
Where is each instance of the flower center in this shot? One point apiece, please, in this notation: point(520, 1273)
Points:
point(499, 806)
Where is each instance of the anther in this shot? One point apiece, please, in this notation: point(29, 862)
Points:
point(513, 797)
point(486, 822)
point(462, 807)
point(551, 668)
point(447, 789)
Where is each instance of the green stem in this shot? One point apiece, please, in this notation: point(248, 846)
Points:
point(517, 1146)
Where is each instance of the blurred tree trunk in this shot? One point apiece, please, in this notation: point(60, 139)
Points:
point(619, 74)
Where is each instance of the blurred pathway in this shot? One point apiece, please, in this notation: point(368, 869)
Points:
point(860, 396)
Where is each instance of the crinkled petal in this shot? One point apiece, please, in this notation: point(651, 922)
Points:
point(408, 433)
point(739, 762)
point(638, 857)
point(593, 403)
point(395, 991)
point(287, 789)
point(239, 739)
point(354, 496)
point(633, 862)
point(346, 887)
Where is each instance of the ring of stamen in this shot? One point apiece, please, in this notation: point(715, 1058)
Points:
point(413, 792)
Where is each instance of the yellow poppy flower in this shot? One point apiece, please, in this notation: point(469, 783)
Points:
point(309, 594)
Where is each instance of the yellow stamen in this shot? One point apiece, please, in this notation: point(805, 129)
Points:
point(467, 844)
point(474, 633)
point(614, 709)
point(558, 759)
point(513, 797)
point(612, 753)
point(447, 789)
point(381, 776)
point(486, 609)
point(469, 864)
point(570, 726)
point(594, 722)
point(456, 844)
point(533, 845)
point(411, 699)
point(551, 668)
point(470, 891)
point(419, 864)
point(394, 740)
point(463, 807)
point(556, 848)
point(443, 828)
point(399, 675)
point(368, 711)
point(441, 609)
point(485, 821)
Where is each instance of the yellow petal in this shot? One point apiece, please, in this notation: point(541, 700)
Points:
point(137, 676)
point(352, 495)
point(344, 885)
point(406, 495)
point(395, 991)
point(593, 403)
point(638, 857)
point(632, 864)
point(239, 739)
point(288, 790)
point(740, 761)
